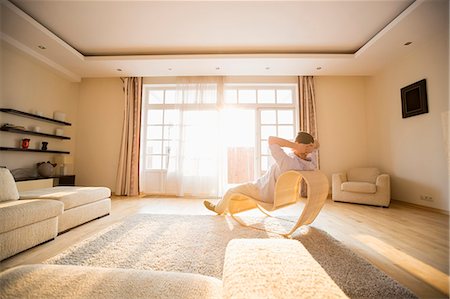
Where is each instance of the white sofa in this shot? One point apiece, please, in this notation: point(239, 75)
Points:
point(41, 214)
point(81, 204)
point(364, 185)
point(253, 268)
point(24, 223)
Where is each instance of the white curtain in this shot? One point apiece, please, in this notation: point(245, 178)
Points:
point(194, 163)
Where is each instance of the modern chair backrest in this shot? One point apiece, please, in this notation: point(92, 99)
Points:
point(287, 189)
point(8, 188)
point(363, 174)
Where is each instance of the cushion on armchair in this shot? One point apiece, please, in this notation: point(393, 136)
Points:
point(367, 174)
point(360, 187)
point(8, 188)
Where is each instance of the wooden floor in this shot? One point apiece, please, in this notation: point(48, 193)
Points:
point(408, 243)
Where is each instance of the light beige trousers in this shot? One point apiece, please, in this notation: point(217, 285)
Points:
point(248, 189)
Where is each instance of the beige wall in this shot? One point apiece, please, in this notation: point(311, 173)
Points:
point(99, 131)
point(413, 150)
point(30, 86)
point(341, 121)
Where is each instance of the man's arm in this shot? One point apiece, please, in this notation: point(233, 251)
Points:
point(299, 147)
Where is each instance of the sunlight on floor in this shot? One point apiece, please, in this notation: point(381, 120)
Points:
point(423, 271)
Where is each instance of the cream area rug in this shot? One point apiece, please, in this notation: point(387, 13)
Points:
point(196, 244)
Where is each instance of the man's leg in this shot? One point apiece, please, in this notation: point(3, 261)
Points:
point(248, 189)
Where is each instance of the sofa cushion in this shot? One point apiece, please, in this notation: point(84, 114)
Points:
point(359, 187)
point(19, 213)
point(368, 174)
point(70, 196)
point(57, 281)
point(8, 189)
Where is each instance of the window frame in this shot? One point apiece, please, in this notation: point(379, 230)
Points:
point(221, 104)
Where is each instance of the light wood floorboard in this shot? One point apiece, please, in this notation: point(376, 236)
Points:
point(408, 243)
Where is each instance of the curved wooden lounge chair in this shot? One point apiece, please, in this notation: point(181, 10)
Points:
point(287, 191)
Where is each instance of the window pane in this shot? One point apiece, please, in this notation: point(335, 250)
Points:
point(171, 116)
point(231, 96)
point(286, 117)
point(190, 96)
point(266, 162)
point(156, 96)
point(268, 117)
point(154, 117)
point(286, 132)
point(266, 96)
point(265, 148)
point(171, 132)
point(267, 131)
point(165, 162)
point(209, 95)
point(154, 132)
point(153, 162)
point(284, 96)
point(247, 96)
point(154, 147)
point(171, 147)
point(171, 97)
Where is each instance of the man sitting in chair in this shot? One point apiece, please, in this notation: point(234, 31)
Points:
point(301, 158)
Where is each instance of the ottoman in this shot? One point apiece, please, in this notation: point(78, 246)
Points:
point(81, 204)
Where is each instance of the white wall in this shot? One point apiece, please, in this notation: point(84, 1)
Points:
point(413, 150)
point(28, 85)
point(100, 116)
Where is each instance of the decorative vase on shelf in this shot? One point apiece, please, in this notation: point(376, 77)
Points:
point(25, 143)
point(44, 145)
point(46, 169)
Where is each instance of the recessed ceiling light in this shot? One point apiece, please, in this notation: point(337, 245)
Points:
point(169, 69)
point(119, 70)
point(318, 68)
point(42, 47)
point(217, 68)
point(267, 67)
point(407, 43)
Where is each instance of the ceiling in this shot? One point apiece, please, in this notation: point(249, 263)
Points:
point(99, 38)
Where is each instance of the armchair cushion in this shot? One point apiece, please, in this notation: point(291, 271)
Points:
point(8, 190)
point(359, 187)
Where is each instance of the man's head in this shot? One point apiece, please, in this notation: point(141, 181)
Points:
point(305, 138)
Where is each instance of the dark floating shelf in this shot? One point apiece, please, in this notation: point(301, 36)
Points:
point(22, 179)
point(29, 115)
point(21, 131)
point(17, 149)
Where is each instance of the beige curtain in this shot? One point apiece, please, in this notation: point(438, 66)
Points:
point(127, 182)
point(307, 107)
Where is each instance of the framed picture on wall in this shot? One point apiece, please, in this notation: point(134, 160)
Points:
point(414, 99)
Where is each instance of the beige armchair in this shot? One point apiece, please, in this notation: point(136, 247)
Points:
point(362, 185)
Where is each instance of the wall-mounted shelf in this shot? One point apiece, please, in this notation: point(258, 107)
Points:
point(35, 116)
point(27, 132)
point(17, 149)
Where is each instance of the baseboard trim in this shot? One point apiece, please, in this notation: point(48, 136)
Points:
point(421, 207)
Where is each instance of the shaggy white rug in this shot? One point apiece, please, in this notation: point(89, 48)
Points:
point(196, 244)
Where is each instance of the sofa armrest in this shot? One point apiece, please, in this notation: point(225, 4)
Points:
point(383, 181)
point(336, 181)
